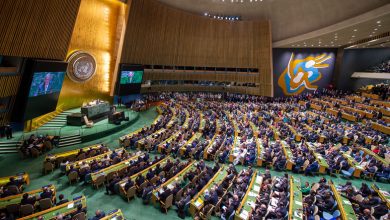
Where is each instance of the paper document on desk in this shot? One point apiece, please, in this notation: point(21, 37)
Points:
point(198, 202)
point(256, 188)
point(385, 193)
point(252, 194)
point(244, 214)
point(259, 179)
point(71, 205)
point(298, 203)
point(347, 202)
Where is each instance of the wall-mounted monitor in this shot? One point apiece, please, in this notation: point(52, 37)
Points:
point(45, 87)
point(129, 79)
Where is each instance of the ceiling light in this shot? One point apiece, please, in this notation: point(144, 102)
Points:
point(353, 35)
point(378, 22)
point(375, 29)
point(355, 30)
point(379, 25)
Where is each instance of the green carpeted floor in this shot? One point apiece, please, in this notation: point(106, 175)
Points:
point(96, 199)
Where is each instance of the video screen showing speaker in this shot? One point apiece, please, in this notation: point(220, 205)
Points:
point(45, 87)
point(130, 79)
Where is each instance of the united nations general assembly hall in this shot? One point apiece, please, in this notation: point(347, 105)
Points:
point(194, 109)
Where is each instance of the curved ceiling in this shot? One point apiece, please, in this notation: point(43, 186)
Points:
point(289, 18)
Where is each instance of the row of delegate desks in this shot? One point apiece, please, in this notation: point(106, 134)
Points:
point(376, 156)
point(343, 204)
point(197, 202)
point(217, 130)
point(168, 140)
point(296, 207)
point(382, 128)
point(16, 199)
point(64, 209)
point(122, 183)
point(111, 169)
point(170, 183)
point(249, 200)
point(289, 156)
point(78, 163)
point(320, 159)
point(142, 142)
point(114, 215)
point(56, 158)
point(23, 177)
point(194, 137)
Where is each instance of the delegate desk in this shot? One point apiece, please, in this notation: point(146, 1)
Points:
point(170, 183)
point(111, 169)
point(320, 159)
point(198, 201)
point(376, 156)
point(114, 215)
point(259, 144)
point(295, 211)
point(371, 96)
point(384, 195)
point(382, 128)
point(64, 209)
point(289, 156)
point(67, 155)
point(16, 199)
point(352, 162)
point(381, 103)
point(344, 205)
point(24, 177)
point(249, 200)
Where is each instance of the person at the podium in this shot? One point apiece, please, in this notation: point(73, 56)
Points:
point(46, 85)
point(128, 77)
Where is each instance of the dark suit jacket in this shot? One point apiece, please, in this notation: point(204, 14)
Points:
point(163, 196)
point(62, 201)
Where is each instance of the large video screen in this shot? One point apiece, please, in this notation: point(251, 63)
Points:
point(46, 83)
point(128, 77)
point(129, 80)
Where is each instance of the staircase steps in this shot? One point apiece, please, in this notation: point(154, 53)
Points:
point(8, 147)
point(70, 140)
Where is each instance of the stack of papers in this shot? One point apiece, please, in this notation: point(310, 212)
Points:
point(259, 179)
point(256, 188)
point(347, 202)
point(298, 203)
point(244, 214)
